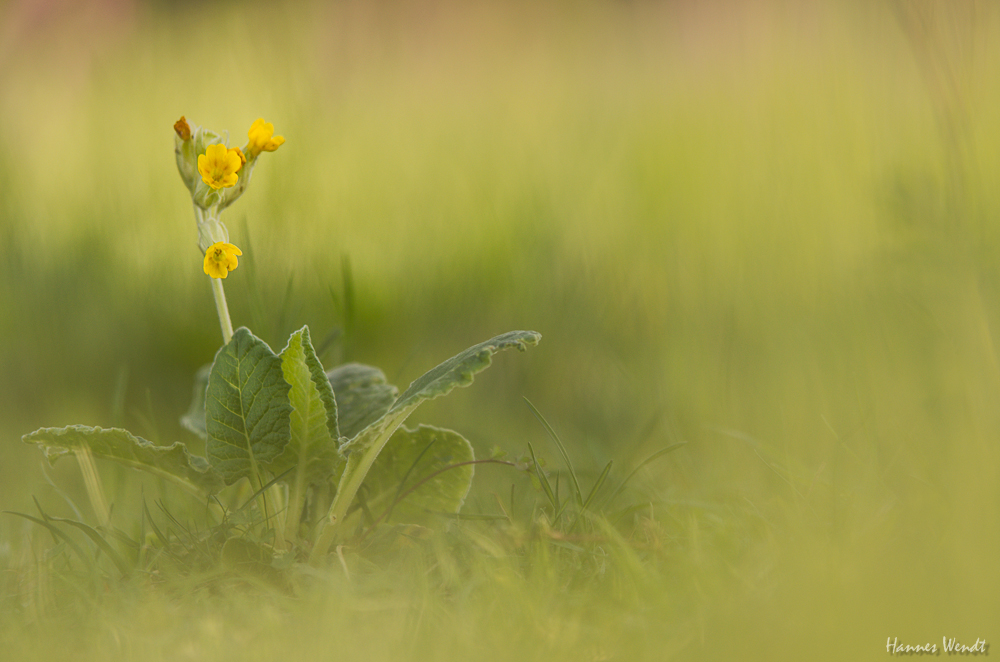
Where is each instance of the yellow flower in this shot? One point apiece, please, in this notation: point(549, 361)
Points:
point(218, 166)
point(220, 259)
point(262, 138)
point(239, 153)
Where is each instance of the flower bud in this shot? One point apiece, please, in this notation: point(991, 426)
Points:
point(186, 154)
point(262, 139)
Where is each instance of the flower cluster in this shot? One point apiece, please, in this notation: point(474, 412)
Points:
point(217, 175)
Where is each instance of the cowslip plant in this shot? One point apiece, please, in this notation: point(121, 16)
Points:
point(318, 448)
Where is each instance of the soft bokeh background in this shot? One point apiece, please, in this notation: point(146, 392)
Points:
point(769, 228)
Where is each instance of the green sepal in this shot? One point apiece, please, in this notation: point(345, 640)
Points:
point(246, 408)
point(232, 194)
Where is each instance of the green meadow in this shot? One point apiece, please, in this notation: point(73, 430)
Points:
point(768, 230)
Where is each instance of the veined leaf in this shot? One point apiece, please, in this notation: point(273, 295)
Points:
point(417, 468)
point(312, 450)
point(365, 447)
point(172, 462)
point(194, 419)
point(363, 396)
point(246, 407)
point(461, 369)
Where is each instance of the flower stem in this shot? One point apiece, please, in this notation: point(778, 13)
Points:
point(220, 305)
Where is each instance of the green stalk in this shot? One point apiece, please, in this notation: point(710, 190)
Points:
point(358, 463)
point(211, 230)
point(223, 309)
point(296, 496)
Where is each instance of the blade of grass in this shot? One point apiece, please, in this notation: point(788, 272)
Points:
point(65, 497)
point(657, 454)
point(542, 478)
point(597, 485)
point(484, 517)
point(148, 517)
point(250, 279)
point(562, 449)
point(101, 543)
point(562, 504)
point(57, 534)
point(283, 312)
point(190, 536)
point(263, 488)
point(120, 536)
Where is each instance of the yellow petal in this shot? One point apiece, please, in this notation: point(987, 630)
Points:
point(274, 143)
point(213, 268)
point(220, 259)
point(239, 153)
point(216, 152)
point(232, 161)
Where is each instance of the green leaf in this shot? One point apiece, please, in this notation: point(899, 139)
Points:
point(459, 370)
point(194, 419)
point(246, 407)
point(415, 476)
point(363, 396)
point(312, 450)
point(365, 447)
point(172, 462)
point(659, 453)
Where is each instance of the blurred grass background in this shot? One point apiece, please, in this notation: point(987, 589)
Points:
point(769, 229)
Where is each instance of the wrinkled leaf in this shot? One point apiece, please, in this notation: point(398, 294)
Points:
point(194, 419)
point(461, 369)
point(363, 396)
point(365, 447)
point(417, 469)
point(172, 462)
point(246, 407)
point(312, 450)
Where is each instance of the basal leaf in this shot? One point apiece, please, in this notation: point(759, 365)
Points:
point(172, 462)
point(246, 407)
point(459, 370)
point(363, 396)
point(365, 447)
point(194, 419)
point(418, 474)
point(312, 449)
